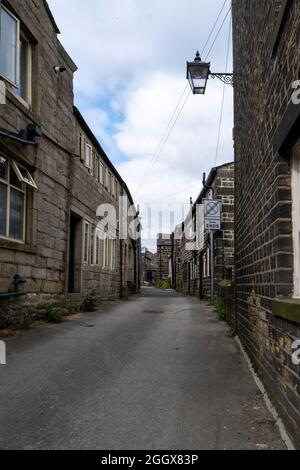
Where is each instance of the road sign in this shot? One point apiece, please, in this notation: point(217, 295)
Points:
point(212, 214)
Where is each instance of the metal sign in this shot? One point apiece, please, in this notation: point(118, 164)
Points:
point(212, 214)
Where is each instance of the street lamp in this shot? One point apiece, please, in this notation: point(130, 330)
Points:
point(198, 73)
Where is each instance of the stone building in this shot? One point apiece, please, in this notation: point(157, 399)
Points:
point(195, 261)
point(164, 257)
point(149, 267)
point(53, 177)
point(267, 226)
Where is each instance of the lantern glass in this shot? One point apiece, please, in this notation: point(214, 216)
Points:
point(197, 74)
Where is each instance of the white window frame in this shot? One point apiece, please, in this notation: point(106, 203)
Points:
point(92, 254)
point(17, 63)
point(27, 103)
point(101, 173)
point(98, 248)
point(8, 198)
point(106, 259)
point(88, 157)
point(29, 180)
point(296, 217)
point(103, 243)
point(113, 254)
point(97, 167)
point(86, 243)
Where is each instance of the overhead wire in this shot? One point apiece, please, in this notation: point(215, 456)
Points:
point(218, 33)
point(213, 28)
point(161, 141)
point(169, 129)
point(223, 97)
point(224, 87)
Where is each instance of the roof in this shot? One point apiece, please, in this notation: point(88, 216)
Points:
point(51, 17)
point(210, 180)
point(97, 145)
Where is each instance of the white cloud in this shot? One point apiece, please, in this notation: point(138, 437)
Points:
point(131, 56)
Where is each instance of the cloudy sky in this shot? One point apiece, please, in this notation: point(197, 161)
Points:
point(131, 57)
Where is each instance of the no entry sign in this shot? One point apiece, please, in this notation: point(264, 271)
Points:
point(212, 214)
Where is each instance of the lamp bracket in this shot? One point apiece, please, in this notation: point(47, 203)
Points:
point(226, 78)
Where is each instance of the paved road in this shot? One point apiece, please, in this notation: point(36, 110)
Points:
point(157, 372)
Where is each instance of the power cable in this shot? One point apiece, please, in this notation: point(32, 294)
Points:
point(144, 177)
point(159, 149)
point(218, 33)
point(211, 33)
point(166, 139)
point(223, 96)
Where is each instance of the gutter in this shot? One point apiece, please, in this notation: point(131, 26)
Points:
point(16, 137)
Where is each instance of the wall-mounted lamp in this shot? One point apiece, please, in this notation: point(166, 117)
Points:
point(59, 68)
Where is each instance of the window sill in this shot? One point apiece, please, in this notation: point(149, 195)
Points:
point(287, 308)
point(19, 104)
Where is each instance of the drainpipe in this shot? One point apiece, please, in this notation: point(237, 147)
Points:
point(15, 293)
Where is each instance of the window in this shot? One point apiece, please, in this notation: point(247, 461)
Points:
point(106, 254)
point(206, 264)
point(15, 57)
point(89, 156)
point(9, 46)
point(23, 174)
point(108, 181)
point(82, 148)
point(103, 245)
point(97, 169)
point(93, 163)
point(114, 188)
point(23, 90)
point(113, 254)
point(92, 246)
point(296, 217)
point(86, 243)
point(101, 173)
point(98, 248)
point(13, 181)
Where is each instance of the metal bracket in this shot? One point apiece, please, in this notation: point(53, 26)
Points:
point(226, 78)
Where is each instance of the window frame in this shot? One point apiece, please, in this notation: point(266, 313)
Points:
point(101, 173)
point(98, 250)
point(8, 185)
point(16, 167)
point(17, 61)
point(92, 254)
point(86, 243)
point(97, 167)
point(27, 103)
point(90, 164)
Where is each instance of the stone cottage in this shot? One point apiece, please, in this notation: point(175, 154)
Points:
point(53, 177)
point(267, 226)
point(194, 252)
point(164, 257)
point(149, 267)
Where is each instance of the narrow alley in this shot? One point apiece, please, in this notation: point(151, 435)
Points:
point(157, 372)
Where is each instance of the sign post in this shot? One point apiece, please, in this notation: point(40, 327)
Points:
point(212, 222)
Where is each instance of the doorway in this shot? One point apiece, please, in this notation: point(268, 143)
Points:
point(75, 250)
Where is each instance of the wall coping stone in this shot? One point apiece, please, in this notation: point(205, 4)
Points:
point(287, 308)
